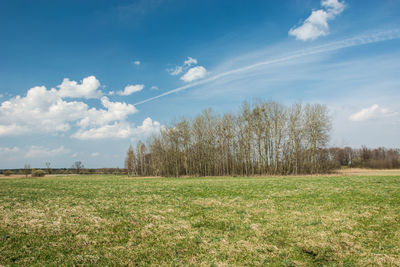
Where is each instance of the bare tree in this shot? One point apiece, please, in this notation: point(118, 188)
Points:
point(27, 169)
point(77, 166)
point(48, 167)
point(130, 161)
point(265, 138)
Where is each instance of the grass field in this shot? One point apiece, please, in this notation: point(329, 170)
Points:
point(280, 221)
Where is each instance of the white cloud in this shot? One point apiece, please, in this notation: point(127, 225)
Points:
point(74, 155)
point(154, 87)
point(130, 89)
point(41, 152)
point(373, 112)
point(115, 111)
point(190, 61)
point(334, 7)
point(316, 24)
point(45, 111)
point(148, 127)
point(175, 71)
point(136, 62)
point(119, 130)
point(1, 95)
point(87, 89)
point(95, 154)
point(13, 129)
point(113, 131)
point(180, 69)
point(6, 150)
point(194, 73)
point(239, 71)
point(40, 110)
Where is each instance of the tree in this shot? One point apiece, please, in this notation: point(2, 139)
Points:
point(130, 161)
point(27, 169)
point(48, 167)
point(77, 166)
point(263, 138)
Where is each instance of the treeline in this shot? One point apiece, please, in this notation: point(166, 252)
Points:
point(379, 158)
point(65, 171)
point(263, 138)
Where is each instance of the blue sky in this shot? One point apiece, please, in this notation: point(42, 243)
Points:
point(81, 80)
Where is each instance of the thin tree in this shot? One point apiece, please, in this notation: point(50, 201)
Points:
point(48, 167)
point(27, 169)
point(77, 166)
point(130, 161)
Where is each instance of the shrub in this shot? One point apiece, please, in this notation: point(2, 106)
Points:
point(8, 173)
point(38, 173)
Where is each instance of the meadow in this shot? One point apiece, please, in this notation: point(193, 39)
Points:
point(344, 219)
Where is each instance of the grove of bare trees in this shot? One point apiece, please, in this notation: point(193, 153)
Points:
point(263, 138)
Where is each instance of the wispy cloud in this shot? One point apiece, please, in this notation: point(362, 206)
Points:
point(316, 24)
point(373, 112)
point(175, 71)
point(190, 61)
point(137, 62)
point(190, 73)
point(350, 42)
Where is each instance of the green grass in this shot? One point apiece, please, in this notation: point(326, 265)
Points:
point(278, 221)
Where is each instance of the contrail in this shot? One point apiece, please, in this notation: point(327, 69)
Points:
point(350, 42)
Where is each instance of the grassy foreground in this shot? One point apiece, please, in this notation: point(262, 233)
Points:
point(111, 220)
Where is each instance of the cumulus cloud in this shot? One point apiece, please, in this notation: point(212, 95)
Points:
point(130, 89)
point(148, 127)
point(334, 7)
point(42, 152)
point(13, 129)
point(45, 111)
point(194, 73)
point(119, 130)
point(373, 112)
point(115, 111)
point(40, 110)
point(88, 88)
point(136, 62)
point(316, 24)
point(109, 131)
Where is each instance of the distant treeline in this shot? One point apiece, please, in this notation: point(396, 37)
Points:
point(379, 158)
point(63, 171)
point(263, 138)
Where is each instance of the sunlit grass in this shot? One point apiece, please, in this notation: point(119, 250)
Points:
point(114, 220)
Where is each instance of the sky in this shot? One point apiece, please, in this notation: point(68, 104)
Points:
point(82, 80)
